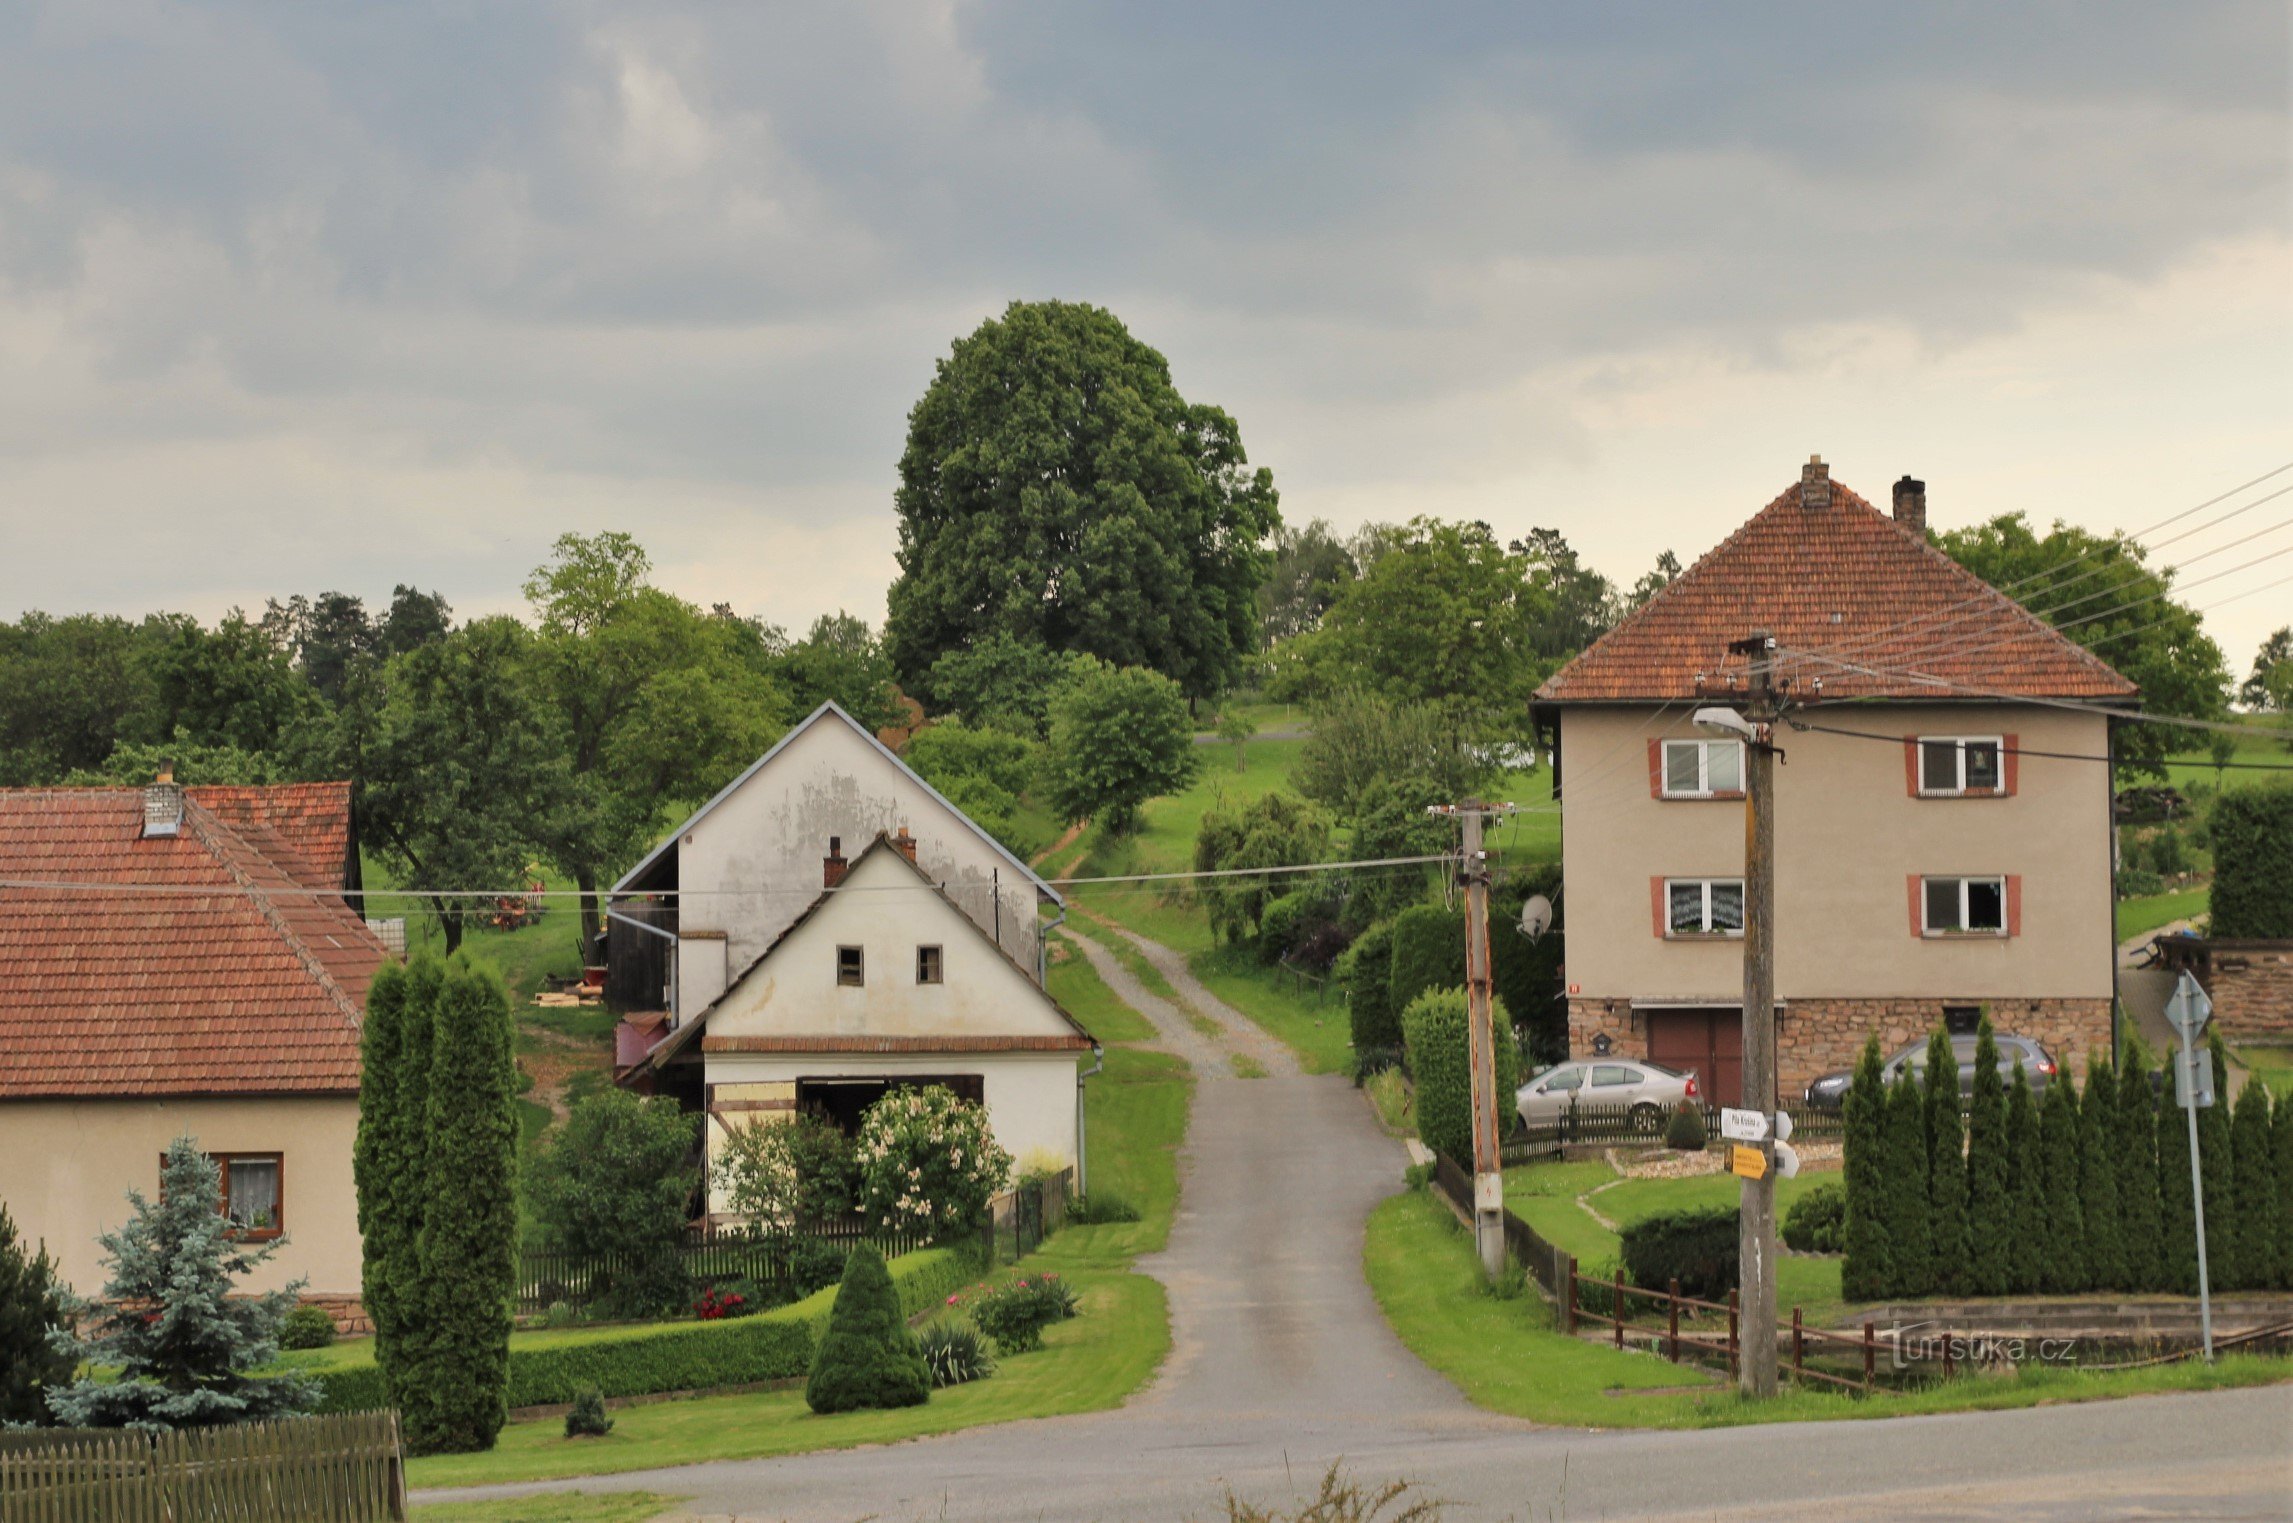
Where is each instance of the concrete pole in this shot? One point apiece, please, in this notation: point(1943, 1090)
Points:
point(1756, 1369)
point(1488, 1165)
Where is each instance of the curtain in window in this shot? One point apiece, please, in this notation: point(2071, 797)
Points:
point(254, 1190)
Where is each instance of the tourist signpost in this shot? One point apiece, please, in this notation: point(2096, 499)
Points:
point(2189, 1009)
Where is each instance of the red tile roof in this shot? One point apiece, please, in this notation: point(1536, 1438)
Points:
point(227, 977)
point(311, 819)
point(1846, 579)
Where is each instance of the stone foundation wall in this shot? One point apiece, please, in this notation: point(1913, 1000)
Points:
point(1820, 1036)
point(349, 1313)
point(2252, 989)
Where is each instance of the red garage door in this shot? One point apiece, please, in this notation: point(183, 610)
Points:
point(1706, 1041)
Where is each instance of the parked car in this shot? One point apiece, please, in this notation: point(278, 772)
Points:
point(1643, 1091)
point(1829, 1093)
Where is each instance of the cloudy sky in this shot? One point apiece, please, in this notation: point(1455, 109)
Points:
point(315, 295)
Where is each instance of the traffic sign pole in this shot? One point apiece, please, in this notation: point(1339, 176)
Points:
point(2189, 1010)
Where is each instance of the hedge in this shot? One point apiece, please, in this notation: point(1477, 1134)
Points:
point(679, 1356)
point(1434, 1028)
point(2252, 831)
point(1368, 965)
point(1698, 1247)
point(1428, 952)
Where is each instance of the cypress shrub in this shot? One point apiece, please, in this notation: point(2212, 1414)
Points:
point(1909, 1230)
point(2281, 1219)
point(1428, 953)
point(2177, 1209)
point(1698, 1247)
point(1868, 1272)
point(2061, 1219)
point(374, 1152)
point(2249, 1263)
point(2219, 1164)
point(32, 1311)
point(867, 1358)
point(2099, 1211)
point(2025, 1189)
point(1684, 1130)
point(1434, 1028)
point(1527, 975)
point(2137, 1174)
point(1947, 1240)
point(2252, 832)
point(402, 1189)
point(1369, 1001)
point(468, 1248)
point(1990, 1223)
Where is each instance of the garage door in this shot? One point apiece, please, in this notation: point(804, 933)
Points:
point(1706, 1041)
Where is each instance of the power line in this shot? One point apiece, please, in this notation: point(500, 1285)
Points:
point(2007, 750)
point(2131, 716)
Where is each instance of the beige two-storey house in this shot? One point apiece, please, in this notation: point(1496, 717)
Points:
point(1943, 819)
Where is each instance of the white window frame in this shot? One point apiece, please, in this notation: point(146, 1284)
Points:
point(1706, 884)
point(1703, 788)
point(1959, 788)
point(1927, 927)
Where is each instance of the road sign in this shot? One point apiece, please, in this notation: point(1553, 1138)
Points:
point(1786, 1159)
point(1783, 1128)
point(2187, 1007)
point(1743, 1126)
point(2193, 1078)
point(1749, 1162)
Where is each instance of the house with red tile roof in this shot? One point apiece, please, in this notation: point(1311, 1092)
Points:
point(182, 961)
point(1948, 855)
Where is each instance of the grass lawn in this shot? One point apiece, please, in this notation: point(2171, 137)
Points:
point(2196, 766)
point(2139, 917)
point(1506, 1356)
point(553, 1507)
point(2273, 1066)
point(1075, 984)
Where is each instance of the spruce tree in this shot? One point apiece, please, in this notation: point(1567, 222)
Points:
point(2061, 1222)
point(1908, 1228)
point(2222, 1212)
point(2177, 1208)
point(2026, 1189)
point(2281, 1183)
point(2098, 1177)
point(34, 1310)
point(176, 1339)
point(2248, 1266)
point(2137, 1173)
point(867, 1357)
point(1868, 1271)
point(1947, 1240)
point(467, 1252)
point(1990, 1222)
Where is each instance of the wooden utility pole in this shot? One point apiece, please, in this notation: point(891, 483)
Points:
point(1756, 1369)
point(1481, 1052)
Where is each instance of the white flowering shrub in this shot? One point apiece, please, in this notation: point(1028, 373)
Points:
point(928, 1162)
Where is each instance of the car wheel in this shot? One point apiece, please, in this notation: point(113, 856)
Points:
point(1647, 1118)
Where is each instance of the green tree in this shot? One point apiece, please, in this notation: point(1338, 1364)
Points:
point(1948, 1238)
point(176, 1342)
point(2027, 1184)
point(134, 763)
point(1310, 566)
point(1056, 487)
point(72, 690)
point(1394, 819)
point(1274, 830)
point(415, 619)
point(1435, 1033)
point(1910, 1223)
point(466, 1255)
point(1868, 1271)
point(1991, 1227)
point(234, 685)
point(380, 1153)
point(2281, 1183)
point(2139, 1204)
point(2098, 590)
point(1653, 581)
point(1428, 952)
point(2061, 1220)
point(1002, 683)
point(2220, 1172)
point(1119, 736)
point(1363, 740)
point(2270, 686)
point(2177, 1207)
point(2252, 1242)
point(1236, 728)
point(326, 635)
point(1530, 976)
point(984, 772)
point(2252, 832)
point(36, 1353)
point(1366, 969)
point(613, 1184)
point(840, 660)
point(2100, 1209)
point(867, 1358)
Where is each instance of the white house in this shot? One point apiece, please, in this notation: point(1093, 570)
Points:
point(789, 975)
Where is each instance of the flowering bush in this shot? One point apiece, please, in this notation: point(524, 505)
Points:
point(928, 1162)
point(717, 1303)
point(1015, 1312)
point(783, 1176)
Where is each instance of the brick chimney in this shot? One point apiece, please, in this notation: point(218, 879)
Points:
point(163, 804)
point(904, 844)
point(833, 866)
point(1911, 504)
point(1815, 484)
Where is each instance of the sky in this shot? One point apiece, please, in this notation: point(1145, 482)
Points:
point(297, 297)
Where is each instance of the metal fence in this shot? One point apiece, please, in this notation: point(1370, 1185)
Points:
point(1580, 1125)
point(340, 1469)
point(1020, 1218)
point(707, 1256)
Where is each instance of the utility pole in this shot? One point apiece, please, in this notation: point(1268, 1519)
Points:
point(1756, 1364)
point(1481, 1051)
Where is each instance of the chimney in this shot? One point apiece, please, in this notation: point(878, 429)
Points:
point(163, 804)
point(1911, 504)
point(904, 844)
point(1815, 484)
point(833, 865)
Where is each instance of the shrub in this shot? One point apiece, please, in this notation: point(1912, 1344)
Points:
point(1276, 830)
point(1991, 1228)
point(2139, 882)
point(1015, 1312)
point(2139, 1203)
point(587, 1419)
point(1910, 1239)
point(560, 1314)
point(954, 1354)
point(1367, 969)
point(1428, 953)
point(2099, 1213)
point(1869, 1272)
point(1684, 1130)
point(867, 1358)
point(802, 1170)
point(2059, 1223)
point(815, 1263)
point(717, 1304)
point(2281, 1169)
point(611, 1186)
point(33, 1307)
point(2026, 1186)
point(1946, 1169)
point(1434, 1029)
point(2252, 1244)
point(1817, 1221)
point(2252, 832)
point(306, 1327)
point(1696, 1247)
point(928, 1162)
point(1281, 923)
point(1100, 1206)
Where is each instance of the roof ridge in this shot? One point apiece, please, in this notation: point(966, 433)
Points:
point(219, 837)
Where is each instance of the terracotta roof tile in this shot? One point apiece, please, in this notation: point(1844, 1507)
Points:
point(229, 978)
point(312, 820)
point(1845, 577)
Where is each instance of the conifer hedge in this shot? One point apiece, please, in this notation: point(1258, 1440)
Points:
point(1990, 1221)
point(1868, 1271)
point(1910, 1236)
point(2252, 833)
point(1947, 1239)
point(2137, 1156)
point(2060, 1222)
point(2098, 1178)
point(2026, 1188)
point(1428, 953)
point(2248, 1264)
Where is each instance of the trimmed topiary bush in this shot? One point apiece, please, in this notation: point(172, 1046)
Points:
point(2252, 831)
point(1817, 1221)
point(1367, 968)
point(1434, 1030)
point(1696, 1247)
point(1428, 952)
point(1281, 922)
point(1684, 1130)
point(588, 1419)
point(867, 1358)
point(306, 1327)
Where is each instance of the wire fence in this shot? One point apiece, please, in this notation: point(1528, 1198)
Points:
point(704, 1256)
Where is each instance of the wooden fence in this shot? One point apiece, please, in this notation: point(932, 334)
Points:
point(341, 1469)
point(1725, 1345)
point(1548, 1265)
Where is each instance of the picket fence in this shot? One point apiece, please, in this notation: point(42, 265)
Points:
point(341, 1469)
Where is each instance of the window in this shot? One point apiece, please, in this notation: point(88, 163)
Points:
point(851, 967)
point(928, 965)
point(1606, 1074)
point(1704, 907)
point(1952, 765)
point(250, 1196)
point(1703, 769)
point(1564, 1079)
point(1964, 906)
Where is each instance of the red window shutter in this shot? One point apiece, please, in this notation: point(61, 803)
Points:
point(1656, 906)
point(1918, 904)
point(2013, 904)
point(1911, 765)
point(2010, 763)
point(1655, 768)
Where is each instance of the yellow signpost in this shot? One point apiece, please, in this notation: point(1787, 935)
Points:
point(1749, 1162)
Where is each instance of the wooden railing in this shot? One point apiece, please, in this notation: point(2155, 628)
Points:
point(341, 1469)
point(1727, 1346)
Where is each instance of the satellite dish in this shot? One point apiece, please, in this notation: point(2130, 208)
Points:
point(1536, 916)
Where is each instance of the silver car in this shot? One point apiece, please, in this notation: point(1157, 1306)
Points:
point(1644, 1092)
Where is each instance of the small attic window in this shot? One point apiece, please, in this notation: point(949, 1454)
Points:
point(851, 967)
point(928, 966)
